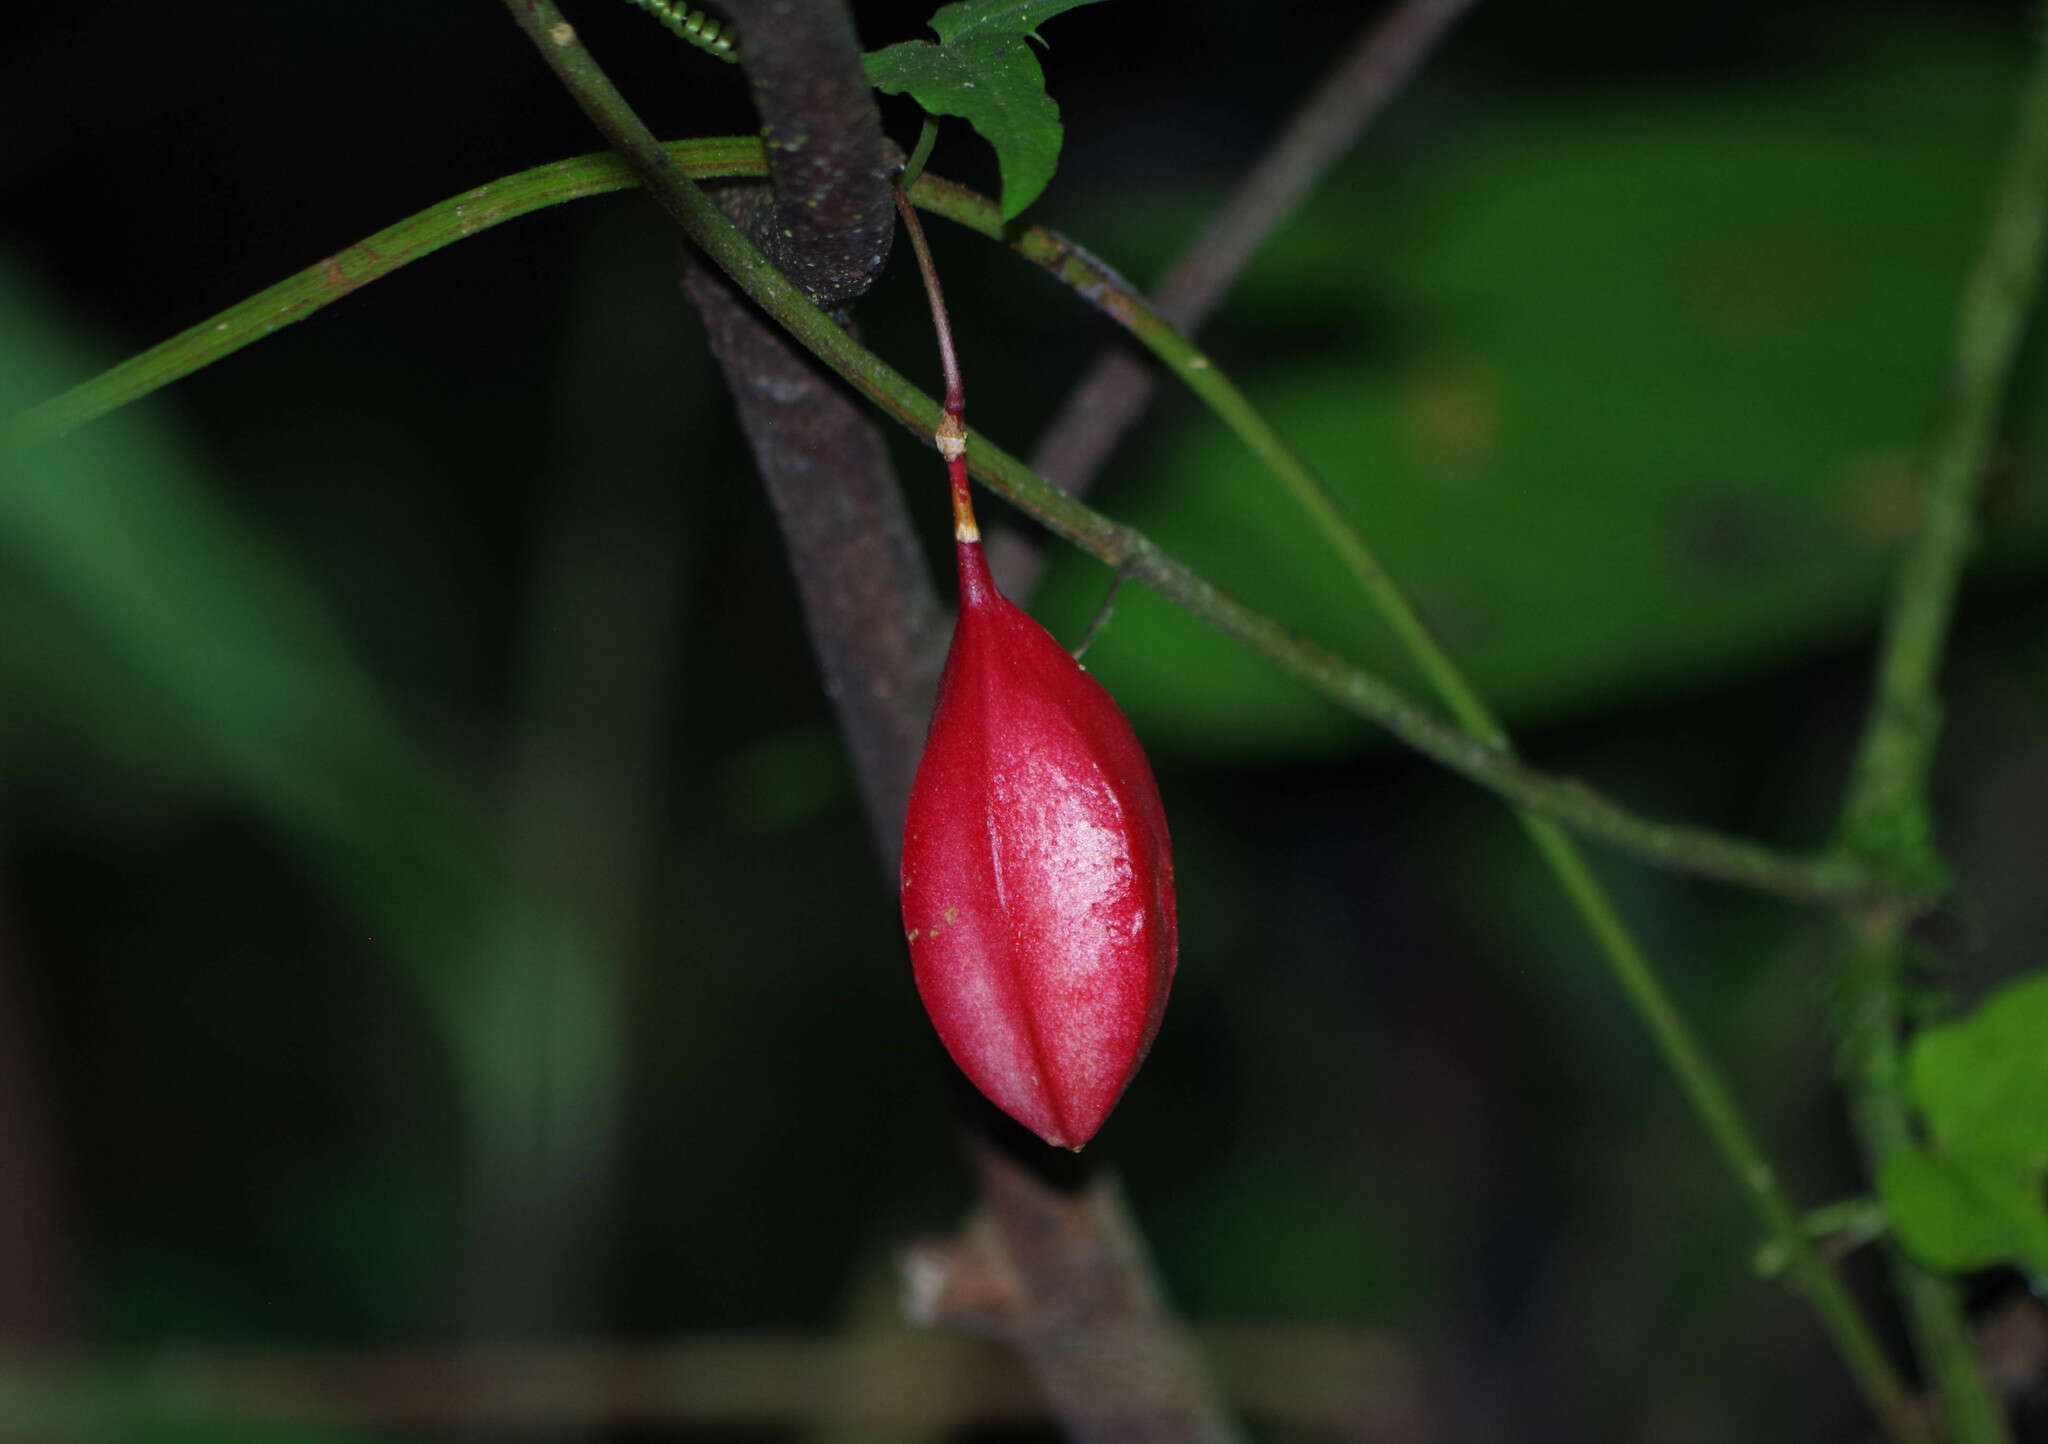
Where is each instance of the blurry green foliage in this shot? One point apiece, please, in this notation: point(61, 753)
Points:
point(1983, 1082)
point(1976, 1197)
point(1627, 392)
point(154, 623)
point(786, 780)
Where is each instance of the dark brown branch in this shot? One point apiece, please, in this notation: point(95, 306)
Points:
point(874, 619)
point(829, 167)
point(1114, 393)
point(825, 219)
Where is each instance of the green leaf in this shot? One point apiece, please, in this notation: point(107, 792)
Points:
point(1982, 1082)
point(983, 71)
point(1625, 390)
point(194, 643)
point(1959, 1212)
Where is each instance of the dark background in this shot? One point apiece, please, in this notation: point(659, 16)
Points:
point(1621, 332)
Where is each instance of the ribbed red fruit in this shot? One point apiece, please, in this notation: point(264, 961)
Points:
point(1037, 876)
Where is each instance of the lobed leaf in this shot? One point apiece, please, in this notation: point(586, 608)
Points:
point(1961, 1212)
point(1982, 1082)
point(983, 71)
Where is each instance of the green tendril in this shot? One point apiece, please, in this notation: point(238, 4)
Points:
point(701, 30)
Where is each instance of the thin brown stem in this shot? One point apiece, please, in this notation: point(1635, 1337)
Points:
point(949, 360)
point(951, 435)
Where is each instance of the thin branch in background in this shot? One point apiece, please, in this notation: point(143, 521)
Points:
point(1358, 1385)
point(1114, 392)
point(1101, 617)
point(1887, 820)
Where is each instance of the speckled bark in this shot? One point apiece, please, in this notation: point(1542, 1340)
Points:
point(829, 166)
point(874, 617)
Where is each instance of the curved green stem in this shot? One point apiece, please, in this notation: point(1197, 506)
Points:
point(1700, 851)
point(1708, 1093)
point(329, 279)
point(927, 137)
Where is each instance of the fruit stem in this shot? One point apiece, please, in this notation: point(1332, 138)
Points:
point(951, 437)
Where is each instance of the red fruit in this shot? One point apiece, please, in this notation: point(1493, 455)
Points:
point(1037, 877)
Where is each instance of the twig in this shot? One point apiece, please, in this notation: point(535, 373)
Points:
point(1113, 394)
point(1356, 1384)
point(942, 320)
point(1887, 819)
point(1101, 617)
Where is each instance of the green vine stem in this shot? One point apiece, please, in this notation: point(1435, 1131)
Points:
point(927, 137)
point(706, 226)
point(347, 271)
point(1887, 817)
point(1700, 851)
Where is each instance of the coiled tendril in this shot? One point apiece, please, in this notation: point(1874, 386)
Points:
point(701, 30)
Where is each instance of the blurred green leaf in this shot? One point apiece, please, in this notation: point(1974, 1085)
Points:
point(1958, 1212)
point(784, 781)
point(1626, 391)
point(1982, 1082)
point(167, 628)
point(176, 611)
point(1291, 1240)
point(983, 71)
